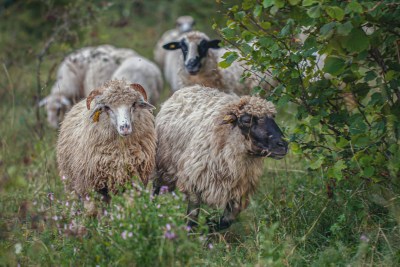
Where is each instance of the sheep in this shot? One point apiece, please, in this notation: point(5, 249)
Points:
point(183, 24)
point(78, 74)
point(68, 87)
point(211, 146)
point(143, 71)
point(196, 63)
point(101, 146)
point(100, 69)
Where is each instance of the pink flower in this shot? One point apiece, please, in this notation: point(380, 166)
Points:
point(130, 234)
point(63, 178)
point(164, 189)
point(50, 196)
point(210, 246)
point(124, 233)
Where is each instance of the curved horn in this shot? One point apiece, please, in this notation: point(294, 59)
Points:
point(137, 87)
point(91, 96)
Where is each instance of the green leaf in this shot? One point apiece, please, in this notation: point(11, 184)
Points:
point(316, 164)
point(334, 65)
point(368, 171)
point(309, 2)
point(342, 142)
point(354, 7)
point(345, 29)
point(314, 12)
point(228, 33)
point(268, 3)
point(356, 41)
point(257, 11)
point(335, 12)
point(327, 29)
point(337, 169)
point(230, 57)
point(294, 2)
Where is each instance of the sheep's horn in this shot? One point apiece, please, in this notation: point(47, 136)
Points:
point(137, 87)
point(91, 96)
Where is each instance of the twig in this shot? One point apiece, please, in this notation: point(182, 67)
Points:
point(12, 93)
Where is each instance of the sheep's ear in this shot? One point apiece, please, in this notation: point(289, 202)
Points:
point(230, 118)
point(213, 44)
point(65, 101)
point(43, 101)
point(91, 96)
point(172, 46)
point(146, 105)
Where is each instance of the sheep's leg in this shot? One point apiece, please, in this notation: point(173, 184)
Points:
point(232, 210)
point(193, 210)
point(105, 195)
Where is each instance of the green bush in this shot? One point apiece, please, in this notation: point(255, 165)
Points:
point(347, 109)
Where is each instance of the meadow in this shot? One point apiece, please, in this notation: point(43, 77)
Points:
point(298, 217)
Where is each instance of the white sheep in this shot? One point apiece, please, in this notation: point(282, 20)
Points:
point(68, 87)
point(142, 71)
point(103, 145)
point(212, 145)
point(183, 24)
point(195, 61)
point(78, 74)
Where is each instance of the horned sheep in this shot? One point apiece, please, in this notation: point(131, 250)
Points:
point(195, 61)
point(103, 143)
point(142, 71)
point(211, 146)
point(183, 24)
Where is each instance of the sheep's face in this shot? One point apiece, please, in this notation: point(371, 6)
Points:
point(184, 24)
point(194, 47)
point(264, 134)
point(56, 107)
point(121, 104)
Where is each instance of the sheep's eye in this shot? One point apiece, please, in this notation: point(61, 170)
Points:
point(246, 120)
point(106, 108)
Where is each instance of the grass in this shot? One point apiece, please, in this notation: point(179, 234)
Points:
point(296, 218)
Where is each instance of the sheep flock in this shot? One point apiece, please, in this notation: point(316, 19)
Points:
point(208, 139)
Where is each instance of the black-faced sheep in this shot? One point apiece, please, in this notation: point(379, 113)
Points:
point(212, 145)
point(183, 24)
point(195, 61)
point(142, 71)
point(103, 144)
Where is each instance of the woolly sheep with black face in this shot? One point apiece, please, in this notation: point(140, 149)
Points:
point(193, 59)
point(212, 145)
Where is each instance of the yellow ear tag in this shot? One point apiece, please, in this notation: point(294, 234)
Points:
point(96, 116)
point(228, 119)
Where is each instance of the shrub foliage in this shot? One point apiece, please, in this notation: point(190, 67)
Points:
point(343, 78)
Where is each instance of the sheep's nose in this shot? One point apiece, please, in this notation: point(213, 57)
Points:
point(125, 129)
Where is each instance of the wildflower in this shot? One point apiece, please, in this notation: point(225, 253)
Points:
point(169, 235)
point(87, 198)
point(364, 238)
point(18, 248)
point(63, 178)
point(105, 212)
point(55, 218)
point(158, 206)
point(130, 234)
point(163, 189)
point(210, 246)
point(50, 196)
point(124, 233)
point(188, 228)
point(67, 203)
